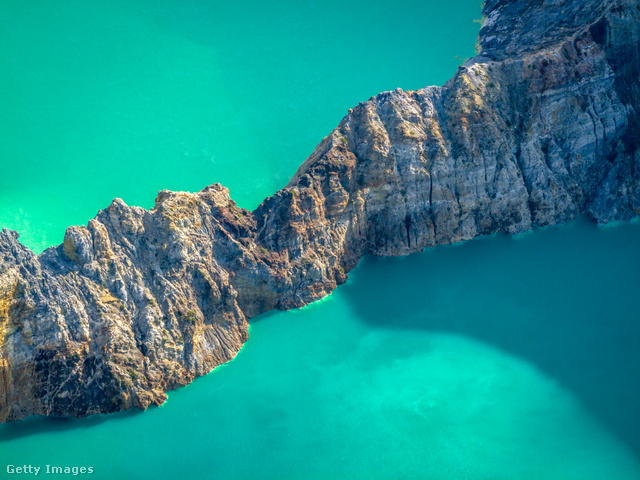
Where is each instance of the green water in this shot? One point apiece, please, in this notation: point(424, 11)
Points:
point(109, 98)
point(501, 358)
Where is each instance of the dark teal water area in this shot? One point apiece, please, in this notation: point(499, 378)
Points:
point(502, 358)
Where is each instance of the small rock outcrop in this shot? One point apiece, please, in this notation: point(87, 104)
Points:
point(538, 128)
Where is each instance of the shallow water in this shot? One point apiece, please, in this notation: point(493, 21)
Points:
point(501, 358)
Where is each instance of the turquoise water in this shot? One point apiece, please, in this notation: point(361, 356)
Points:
point(502, 358)
point(109, 98)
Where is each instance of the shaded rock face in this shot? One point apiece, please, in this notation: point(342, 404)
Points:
point(126, 308)
point(541, 126)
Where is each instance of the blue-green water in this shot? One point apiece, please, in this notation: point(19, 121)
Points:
point(109, 98)
point(500, 358)
point(503, 358)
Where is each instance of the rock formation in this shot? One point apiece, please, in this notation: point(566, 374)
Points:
point(541, 126)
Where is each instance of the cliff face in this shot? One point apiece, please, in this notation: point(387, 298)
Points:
point(541, 126)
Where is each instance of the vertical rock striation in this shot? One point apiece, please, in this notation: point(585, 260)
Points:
point(540, 127)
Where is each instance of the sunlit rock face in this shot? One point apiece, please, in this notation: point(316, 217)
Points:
point(541, 126)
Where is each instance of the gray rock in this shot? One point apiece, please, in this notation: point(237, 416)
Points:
point(540, 127)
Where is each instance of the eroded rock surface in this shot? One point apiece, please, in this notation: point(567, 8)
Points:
point(541, 126)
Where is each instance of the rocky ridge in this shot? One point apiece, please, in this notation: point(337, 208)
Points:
point(538, 128)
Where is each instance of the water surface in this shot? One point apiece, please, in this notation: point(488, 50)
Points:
point(114, 98)
point(500, 358)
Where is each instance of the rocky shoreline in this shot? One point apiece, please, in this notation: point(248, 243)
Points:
point(541, 126)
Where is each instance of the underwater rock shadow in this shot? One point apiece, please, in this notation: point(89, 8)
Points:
point(573, 310)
